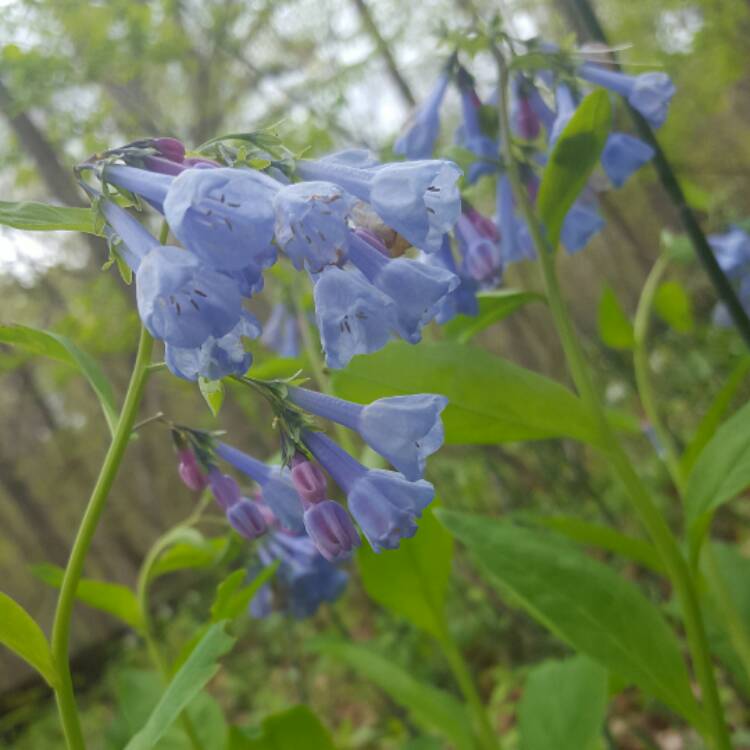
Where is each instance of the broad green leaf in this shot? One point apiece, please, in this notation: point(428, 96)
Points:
point(113, 598)
point(615, 328)
point(673, 305)
point(412, 580)
point(721, 472)
point(430, 708)
point(491, 400)
point(294, 728)
point(137, 691)
point(581, 600)
point(232, 598)
point(639, 551)
point(563, 706)
point(493, 306)
point(572, 160)
point(43, 217)
point(727, 608)
point(20, 633)
point(213, 394)
point(57, 347)
point(423, 743)
point(199, 668)
point(712, 419)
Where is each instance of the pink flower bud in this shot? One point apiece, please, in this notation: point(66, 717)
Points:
point(190, 472)
point(309, 480)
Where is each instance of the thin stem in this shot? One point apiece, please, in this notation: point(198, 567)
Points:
point(486, 735)
point(61, 627)
point(643, 374)
point(650, 516)
point(672, 187)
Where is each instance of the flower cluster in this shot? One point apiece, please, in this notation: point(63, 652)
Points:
point(292, 505)
point(541, 103)
point(232, 222)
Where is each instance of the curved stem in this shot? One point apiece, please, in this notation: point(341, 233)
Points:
point(650, 516)
point(61, 627)
point(486, 735)
point(643, 375)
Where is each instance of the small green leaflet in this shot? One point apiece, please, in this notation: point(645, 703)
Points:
point(43, 217)
point(213, 394)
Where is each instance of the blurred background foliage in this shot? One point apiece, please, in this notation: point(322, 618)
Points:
point(79, 77)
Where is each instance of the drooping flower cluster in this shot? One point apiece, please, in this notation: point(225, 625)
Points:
point(385, 504)
point(233, 221)
point(541, 103)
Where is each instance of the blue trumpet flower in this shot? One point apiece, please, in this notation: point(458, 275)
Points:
point(418, 142)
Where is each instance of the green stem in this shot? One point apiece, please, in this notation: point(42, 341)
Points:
point(652, 519)
point(486, 735)
point(643, 375)
point(64, 693)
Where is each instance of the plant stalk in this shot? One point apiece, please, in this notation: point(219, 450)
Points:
point(64, 692)
point(650, 516)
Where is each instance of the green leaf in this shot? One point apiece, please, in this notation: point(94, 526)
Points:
point(232, 598)
point(20, 633)
point(200, 667)
point(615, 328)
point(113, 598)
point(185, 548)
point(672, 304)
point(582, 601)
point(430, 708)
point(491, 400)
point(493, 306)
point(43, 217)
point(57, 347)
point(136, 693)
point(563, 706)
point(639, 551)
point(412, 581)
point(572, 160)
point(712, 418)
point(213, 394)
point(721, 472)
point(297, 727)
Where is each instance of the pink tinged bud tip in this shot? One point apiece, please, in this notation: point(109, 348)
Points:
point(190, 472)
point(170, 148)
point(331, 529)
point(225, 488)
point(309, 480)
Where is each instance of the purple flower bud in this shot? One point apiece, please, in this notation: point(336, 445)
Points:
point(225, 488)
point(247, 519)
point(331, 529)
point(171, 148)
point(309, 480)
point(190, 472)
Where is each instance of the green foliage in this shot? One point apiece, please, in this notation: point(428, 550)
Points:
point(57, 347)
point(200, 667)
point(297, 727)
point(213, 394)
point(493, 307)
point(639, 551)
point(615, 328)
point(581, 600)
point(137, 692)
point(232, 598)
point(563, 706)
point(430, 708)
point(572, 160)
point(491, 400)
point(412, 581)
point(42, 217)
point(672, 303)
point(20, 633)
point(721, 472)
point(113, 598)
point(184, 548)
